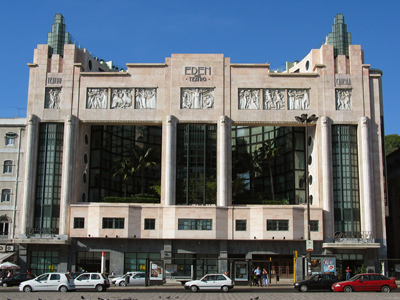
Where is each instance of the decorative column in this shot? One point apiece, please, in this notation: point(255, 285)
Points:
point(366, 177)
point(170, 161)
point(223, 138)
point(29, 177)
point(327, 189)
point(67, 172)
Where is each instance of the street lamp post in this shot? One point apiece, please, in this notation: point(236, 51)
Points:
point(305, 119)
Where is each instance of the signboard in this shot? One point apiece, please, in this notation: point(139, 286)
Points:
point(329, 265)
point(309, 245)
point(156, 271)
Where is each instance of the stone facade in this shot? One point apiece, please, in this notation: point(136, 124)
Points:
point(204, 89)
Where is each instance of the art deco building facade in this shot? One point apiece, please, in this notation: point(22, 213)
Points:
point(224, 186)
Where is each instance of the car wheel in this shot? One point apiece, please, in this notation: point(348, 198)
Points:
point(27, 289)
point(385, 289)
point(99, 288)
point(63, 289)
point(194, 288)
point(5, 285)
point(347, 289)
point(303, 288)
point(225, 288)
point(122, 283)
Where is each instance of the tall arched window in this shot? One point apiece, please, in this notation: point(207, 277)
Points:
point(4, 226)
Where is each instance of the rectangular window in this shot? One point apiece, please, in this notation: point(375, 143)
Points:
point(277, 225)
point(79, 222)
point(241, 225)
point(314, 225)
point(5, 195)
point(113, 223)
point(10, 141)
point(194, 224)
point(7, 167)
point(43, 261)
point(149, 224)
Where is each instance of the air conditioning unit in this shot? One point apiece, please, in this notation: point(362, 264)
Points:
point(2, 248)
point(10, 248)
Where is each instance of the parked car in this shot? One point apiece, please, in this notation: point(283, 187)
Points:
point(130, 278)
point(49, 282)
point(366, 282)
point(16, 279)
point(96, 281)
point(316, 282)
point(210, 282)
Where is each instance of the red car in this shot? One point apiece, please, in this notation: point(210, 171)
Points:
point(366, 282)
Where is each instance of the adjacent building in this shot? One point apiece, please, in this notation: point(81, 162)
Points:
point(221, 180)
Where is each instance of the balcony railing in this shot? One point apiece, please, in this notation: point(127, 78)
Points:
point(353, 237)
point(41, 233)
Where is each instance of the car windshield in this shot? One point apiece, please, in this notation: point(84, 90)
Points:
point(310, 277)
point(354, 278)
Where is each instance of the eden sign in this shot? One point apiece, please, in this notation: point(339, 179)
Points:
point(197, 73)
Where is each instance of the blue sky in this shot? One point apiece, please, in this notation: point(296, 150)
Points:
point(130, 31)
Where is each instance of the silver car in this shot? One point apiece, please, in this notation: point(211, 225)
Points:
point(210, 282)
point(96, 281)
point(49, 282)
point(130, 278)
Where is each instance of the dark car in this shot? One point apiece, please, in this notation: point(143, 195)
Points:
point(16, 279)
point(316, 282)
point(366, 282)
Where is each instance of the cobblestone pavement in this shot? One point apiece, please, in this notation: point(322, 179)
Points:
point(278, 292)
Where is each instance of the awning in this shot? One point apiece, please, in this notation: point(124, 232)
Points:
point(4, 256)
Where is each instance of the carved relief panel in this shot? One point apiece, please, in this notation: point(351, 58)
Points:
point(121, 98)
point(249, 99)
point(343, 99)
point(52, 99)
point(274, 99)
point(196, 98)
point(145, 98)
point(298, 99)
point(97, 98)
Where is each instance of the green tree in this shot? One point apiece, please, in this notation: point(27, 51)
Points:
point(140, 160)
point(392, 143)
point(268, 153)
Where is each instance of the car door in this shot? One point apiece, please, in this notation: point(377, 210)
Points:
point(361, 283)
point(138, 279)
point(209, 282)
point(54, 282)
point(315, 282)
point(82, 281)
point(40, 283)
point(327, 281)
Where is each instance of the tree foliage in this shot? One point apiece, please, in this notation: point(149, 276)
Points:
point(392, 143)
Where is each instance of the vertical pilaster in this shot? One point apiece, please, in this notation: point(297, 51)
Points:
point(366, 197)
point(30, 176)
point(170, 164)
point(223, 137)
point(67, 172)
point(327, 194)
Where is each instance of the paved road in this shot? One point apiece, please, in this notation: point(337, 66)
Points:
point(278, 292)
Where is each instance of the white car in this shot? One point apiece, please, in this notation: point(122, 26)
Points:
point(92, 281)
point(49, 282)
point(130, 278)
point(210, 282)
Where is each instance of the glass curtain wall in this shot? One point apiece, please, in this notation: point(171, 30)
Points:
point(196, 166)
point(268, 165)
point(345, 178)
point(48, 185)
point(111, 145)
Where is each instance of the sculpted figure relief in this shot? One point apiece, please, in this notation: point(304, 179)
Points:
point(97, 98)
point(145, 99)
point(197, 98)
point(298, 99)
point(249, 99)
point(274, 99)
point(53, 99)
point(343, 99)
point(121, 98)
